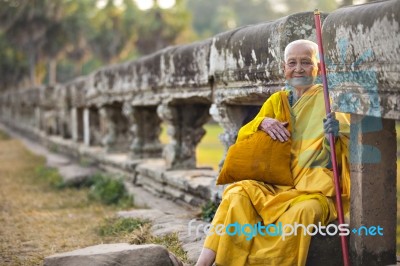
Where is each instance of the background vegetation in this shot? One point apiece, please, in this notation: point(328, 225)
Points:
point(47, 41)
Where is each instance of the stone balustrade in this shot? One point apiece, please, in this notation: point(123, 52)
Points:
point(113, 116)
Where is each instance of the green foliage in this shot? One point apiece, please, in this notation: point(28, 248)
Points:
point(208, 210)
point(82, 37)
point(13, 64)
point(50, 176)
point(119, 226)
point(211, 17)
point(109, 191)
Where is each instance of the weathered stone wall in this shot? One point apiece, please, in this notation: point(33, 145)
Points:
point(112, 117)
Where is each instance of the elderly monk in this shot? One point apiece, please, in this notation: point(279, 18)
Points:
point(311, 199)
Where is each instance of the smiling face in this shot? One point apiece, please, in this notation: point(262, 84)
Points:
point(301, 66)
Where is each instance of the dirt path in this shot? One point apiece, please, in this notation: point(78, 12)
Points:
point(37, 220)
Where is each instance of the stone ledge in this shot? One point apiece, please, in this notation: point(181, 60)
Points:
point(113, 254)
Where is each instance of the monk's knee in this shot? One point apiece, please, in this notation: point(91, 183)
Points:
point(308, 210)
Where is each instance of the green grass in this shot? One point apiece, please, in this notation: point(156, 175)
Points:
point(139, 233)
point(108, 190)
point(172, 243)
point(51, 176)
point(4, 136)
point(210, 150)
point(120, 226)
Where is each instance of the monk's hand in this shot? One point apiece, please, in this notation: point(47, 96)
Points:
point(331, 125)
point(275, 128)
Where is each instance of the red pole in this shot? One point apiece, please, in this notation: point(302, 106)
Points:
point(339, 205)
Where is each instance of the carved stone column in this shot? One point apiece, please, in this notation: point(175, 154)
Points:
point(114, 128)
point(373, 191)
point(185, 128)
point(91, 124)
point(145, 130)
point(64, 126)
point(86, 126)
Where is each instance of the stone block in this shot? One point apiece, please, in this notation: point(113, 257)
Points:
point(152, 168)
point(113, 255)
point(74, 175)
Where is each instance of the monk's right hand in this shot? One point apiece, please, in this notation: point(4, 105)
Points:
point(276, 129)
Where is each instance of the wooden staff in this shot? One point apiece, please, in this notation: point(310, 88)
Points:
point(339, 205)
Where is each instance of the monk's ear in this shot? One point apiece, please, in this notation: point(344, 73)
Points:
point(283, 66)
point(319, 68)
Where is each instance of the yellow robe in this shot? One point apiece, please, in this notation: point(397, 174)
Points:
point(310, 201)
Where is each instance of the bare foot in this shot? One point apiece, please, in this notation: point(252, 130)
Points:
point(207, 257)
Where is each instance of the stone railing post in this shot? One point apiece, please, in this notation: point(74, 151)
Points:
point(109, 128)
point(74, 124)
point(373, 190)
point(185, 128)
point(86, 126)
point(92, 130)
point(115, 137)
point(145, 130)
point(77, 124)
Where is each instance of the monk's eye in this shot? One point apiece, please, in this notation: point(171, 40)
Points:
point(291, 64)
point(306, 63)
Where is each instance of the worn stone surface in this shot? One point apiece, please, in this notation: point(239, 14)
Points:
point(145, 129)
point(112, 255)
point(173, 220)
point(373, 190)
point(250, 57)
point(74, 175)
point(55, 160)
point(115, 131)
point(185, 127)
point(363, 54)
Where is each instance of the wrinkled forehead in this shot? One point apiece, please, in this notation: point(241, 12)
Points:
point(301, 50)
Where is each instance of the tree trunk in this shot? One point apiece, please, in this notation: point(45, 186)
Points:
point(52, 71)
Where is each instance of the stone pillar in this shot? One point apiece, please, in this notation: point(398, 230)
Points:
point(37, 117)
point(86, 126)
point(115, 137)
point(373, 190)
point(74, 124)
point(108, 128)
point(145, 130)
point(185, 128)
point(64, 123)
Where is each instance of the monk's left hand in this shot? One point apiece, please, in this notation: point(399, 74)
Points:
point(331, 125)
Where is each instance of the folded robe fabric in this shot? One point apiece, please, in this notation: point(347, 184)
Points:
point(259, 157)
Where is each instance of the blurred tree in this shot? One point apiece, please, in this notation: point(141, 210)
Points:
point(308, 5)
point(211, 17)
point(159, 28)
point(66, 38)
point(13, 65)
point(114, 31)
point(27, 30)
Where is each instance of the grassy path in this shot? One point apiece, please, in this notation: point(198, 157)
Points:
point(37, 220)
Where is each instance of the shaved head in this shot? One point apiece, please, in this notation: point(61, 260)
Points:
point(312, 46)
